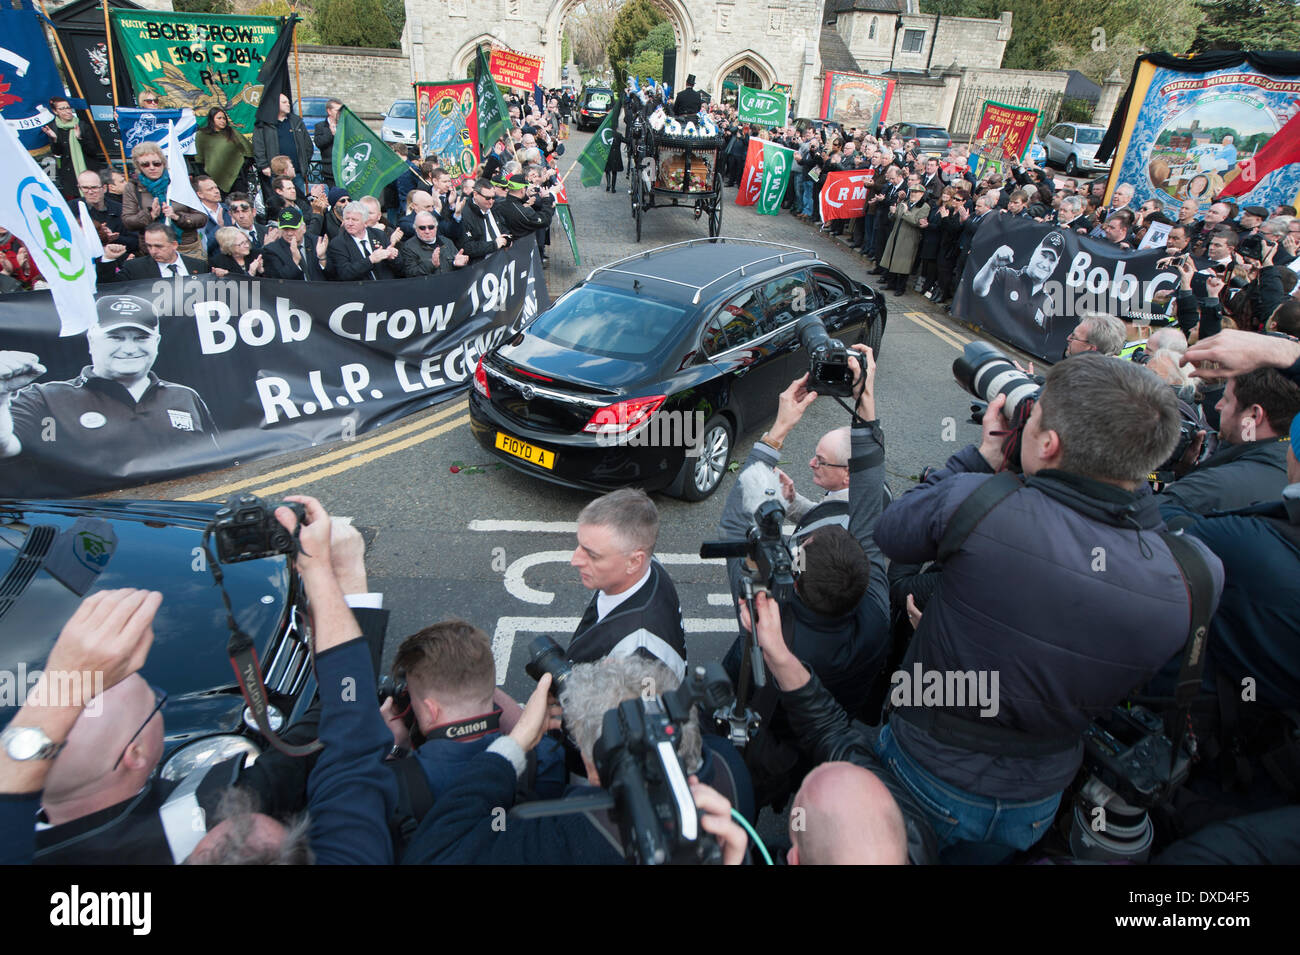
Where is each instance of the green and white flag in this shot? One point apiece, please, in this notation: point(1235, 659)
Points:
point(767, 171)
point(363, 163)
point(764, 107)
point(32, 209)
point(593, 158)
point(493, 115)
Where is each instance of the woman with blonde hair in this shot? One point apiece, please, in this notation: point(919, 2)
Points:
point(144, 202)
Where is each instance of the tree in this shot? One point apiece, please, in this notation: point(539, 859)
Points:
point(632, 25)
point(204, 6)
point(1248, 25)
point(373, 23)
point(306, 31)
point(588, 27)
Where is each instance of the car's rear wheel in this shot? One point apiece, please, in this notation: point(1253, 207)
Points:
point(704, 472)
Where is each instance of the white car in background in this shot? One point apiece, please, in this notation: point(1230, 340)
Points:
point(399, 123)
point(1073, 146)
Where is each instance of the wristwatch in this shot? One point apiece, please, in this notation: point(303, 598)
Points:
point(23, 743)
point(771, 442)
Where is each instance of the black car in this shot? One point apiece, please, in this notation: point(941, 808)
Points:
point(645, 373)
point(593, 106)
point(56, 552)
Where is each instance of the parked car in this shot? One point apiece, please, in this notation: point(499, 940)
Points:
point(313, 112)
point(933, 139)
point(399, 123)
point(1073, 146)
point(593, 106)
point(156, 545)
point(646, 372)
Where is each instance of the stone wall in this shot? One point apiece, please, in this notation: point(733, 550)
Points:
point(368, 81)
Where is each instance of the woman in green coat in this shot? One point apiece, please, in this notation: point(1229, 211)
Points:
point(221, 150)
point(905, 241)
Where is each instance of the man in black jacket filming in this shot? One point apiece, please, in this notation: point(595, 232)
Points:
point(838, 620)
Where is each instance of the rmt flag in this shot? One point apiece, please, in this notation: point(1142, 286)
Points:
point(767, 170)
point(845, 194)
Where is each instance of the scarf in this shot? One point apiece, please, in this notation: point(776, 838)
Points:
point(74, 144)
point(158, 189)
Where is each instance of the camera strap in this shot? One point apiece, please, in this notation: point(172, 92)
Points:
point(974, 509)
point(1200, 589)
point(248, 672)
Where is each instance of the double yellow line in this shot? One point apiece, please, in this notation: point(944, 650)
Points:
point(353, 454)
point(954, 338)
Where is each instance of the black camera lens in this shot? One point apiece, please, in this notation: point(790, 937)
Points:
point(545, 656)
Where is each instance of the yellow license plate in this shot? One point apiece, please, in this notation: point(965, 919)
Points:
point(526, 452)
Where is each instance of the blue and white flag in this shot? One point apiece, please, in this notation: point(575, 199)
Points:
point(150, 126)
point(636, 86)
point(179, 187)
point(33, 210)
point(28, 76)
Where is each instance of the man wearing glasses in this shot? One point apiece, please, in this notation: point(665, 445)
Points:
point(483, 233)
point(105, 211)
point(241, 210)
point(428, 253)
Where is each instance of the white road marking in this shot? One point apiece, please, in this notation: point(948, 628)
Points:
point(540, 527)
point(518, 588)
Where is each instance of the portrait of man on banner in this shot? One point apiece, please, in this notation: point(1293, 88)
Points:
point(448, 124)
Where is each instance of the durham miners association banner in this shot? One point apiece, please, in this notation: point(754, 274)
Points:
point(247, 369)
point(857, 100)
point(447, 115)
point(1028, 284)
point(1219, 124)
point(1002, 136)
point(197, 61)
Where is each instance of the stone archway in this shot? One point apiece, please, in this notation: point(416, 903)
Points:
point(463, 62)
point(677, 12)
point(749, 60)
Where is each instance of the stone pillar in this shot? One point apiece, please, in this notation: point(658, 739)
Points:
point(948, 97)
point(1112, 88)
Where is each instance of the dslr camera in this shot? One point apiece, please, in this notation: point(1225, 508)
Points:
point(770, 562)
point(246, 529)
point(547, 656)
point(828, 359)
point(986, 373)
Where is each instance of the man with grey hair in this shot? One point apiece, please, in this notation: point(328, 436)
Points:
point(359, 252)
point(1097, 332)
point(1070, 215)
point(635, 609)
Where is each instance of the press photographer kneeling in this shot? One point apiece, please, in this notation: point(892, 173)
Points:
point(1059, 582)
point(837, 617)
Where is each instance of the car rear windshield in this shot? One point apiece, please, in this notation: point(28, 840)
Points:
point(931, 132)
point(610, 323)
point(405, 110)
point(1088, 137)
point(314, 107)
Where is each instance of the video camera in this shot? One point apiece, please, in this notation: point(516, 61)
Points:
point(986, 373)
point(828, 359)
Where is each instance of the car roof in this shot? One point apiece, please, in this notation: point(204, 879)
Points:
point(679, 273)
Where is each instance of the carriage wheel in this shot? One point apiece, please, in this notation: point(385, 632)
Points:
point(715, 210)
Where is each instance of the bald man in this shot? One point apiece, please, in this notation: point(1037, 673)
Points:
point(844, 815)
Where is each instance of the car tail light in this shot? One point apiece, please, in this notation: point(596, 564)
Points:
point(623, 417)
point(480, 380)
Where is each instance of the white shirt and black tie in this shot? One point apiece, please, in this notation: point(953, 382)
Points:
point(363, 243)
point(173, 268)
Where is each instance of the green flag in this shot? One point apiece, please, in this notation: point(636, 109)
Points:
point(363, 163)
point(764, 107)
point(565, 216)
point(493, 116)
point(767, 171)
point(593, 158)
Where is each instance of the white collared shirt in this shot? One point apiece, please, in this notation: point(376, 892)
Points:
point(605, 603)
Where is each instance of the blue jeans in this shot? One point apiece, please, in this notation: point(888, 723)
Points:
point(807, 195)
point(957, 815)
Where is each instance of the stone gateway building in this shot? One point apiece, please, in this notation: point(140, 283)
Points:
point(756, 42)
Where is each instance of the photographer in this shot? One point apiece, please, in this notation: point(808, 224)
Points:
point(526, 210)
point(467, 825)
point(1039, 573)
point(839, 618)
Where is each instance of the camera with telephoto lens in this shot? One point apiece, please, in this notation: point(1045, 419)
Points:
point(828, 360)
point(770, 560)
point(986, 373)
point(546, 656)
point(246, 529)
point(637, 759)
point(1128, 768)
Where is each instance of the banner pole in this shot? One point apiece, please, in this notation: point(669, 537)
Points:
point(112, 78)
point(297, 76)
point(72, 75)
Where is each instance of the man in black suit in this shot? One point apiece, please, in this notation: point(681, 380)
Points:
point(245, 216)
point(526, 209)
point(688, 101)
point(163, 261)
point(482, 233)
point(357, 252)
point(426, 252)
point(105, 210)
point(296, 254)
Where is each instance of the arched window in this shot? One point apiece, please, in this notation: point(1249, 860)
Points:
point(871, 32)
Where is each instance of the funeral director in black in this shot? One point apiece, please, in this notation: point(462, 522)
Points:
point(115, 418)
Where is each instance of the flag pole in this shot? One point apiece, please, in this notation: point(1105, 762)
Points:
point(72, 75)
point(297, 76)
point(112, 77)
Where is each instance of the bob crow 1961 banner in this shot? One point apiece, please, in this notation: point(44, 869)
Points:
point(183, 375)
point(1028, 284)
